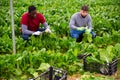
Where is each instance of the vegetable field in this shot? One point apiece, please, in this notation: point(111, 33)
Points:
point(58, 48)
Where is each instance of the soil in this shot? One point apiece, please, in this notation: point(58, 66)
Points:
point(77, 76)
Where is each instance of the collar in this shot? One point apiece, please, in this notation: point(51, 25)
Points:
point(81, 16)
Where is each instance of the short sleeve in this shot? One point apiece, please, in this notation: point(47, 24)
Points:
point(24, 20)
point(42, 19)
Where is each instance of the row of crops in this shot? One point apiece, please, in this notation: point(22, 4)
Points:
point(59, 49)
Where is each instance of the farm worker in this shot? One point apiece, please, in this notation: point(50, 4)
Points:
point(81, 23)
point(30, 22)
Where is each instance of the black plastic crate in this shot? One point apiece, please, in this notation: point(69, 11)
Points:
point(52, 74)
point(105, 69)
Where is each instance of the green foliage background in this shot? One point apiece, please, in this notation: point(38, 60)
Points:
point(57, 49)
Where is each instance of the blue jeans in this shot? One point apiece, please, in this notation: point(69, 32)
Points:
point(76, 33)
point(26, 36)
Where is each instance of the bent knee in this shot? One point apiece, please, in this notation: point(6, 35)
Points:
point(74, 35)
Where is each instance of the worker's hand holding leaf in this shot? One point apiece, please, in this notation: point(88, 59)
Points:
point(48, 30)
point(80, 28)
point(87, 31)
point(37, 33)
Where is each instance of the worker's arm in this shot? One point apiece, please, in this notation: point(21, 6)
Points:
point(46, 25)
point(72, 23)
point(90, 23)
point(47, 28)
point(25, 30)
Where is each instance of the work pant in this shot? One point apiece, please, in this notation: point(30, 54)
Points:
point(26, 36)
point(79, 34)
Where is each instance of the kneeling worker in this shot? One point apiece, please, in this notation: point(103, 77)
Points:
point(81, 23)
point(30, 23)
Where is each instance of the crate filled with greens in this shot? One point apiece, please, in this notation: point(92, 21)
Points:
point(106, 69)
point(103, 61)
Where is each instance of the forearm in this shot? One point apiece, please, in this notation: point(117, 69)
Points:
point(46, 25)
point(90, 23)
point(73, 26)
point(25, 30)
point(90, 26)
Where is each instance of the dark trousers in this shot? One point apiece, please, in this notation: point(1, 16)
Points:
point(26, 36)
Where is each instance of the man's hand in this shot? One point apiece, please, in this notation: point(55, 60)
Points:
point(37, 33)
point(87, 31)
point(48, 30)
point(81, 28)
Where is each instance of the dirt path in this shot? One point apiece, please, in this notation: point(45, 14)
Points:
point(74, 77)
point(77, 76)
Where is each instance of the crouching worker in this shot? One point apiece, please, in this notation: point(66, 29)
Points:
point(30, 23)
point(81, 23)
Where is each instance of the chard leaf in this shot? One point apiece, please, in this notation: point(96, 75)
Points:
point(43, 66)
